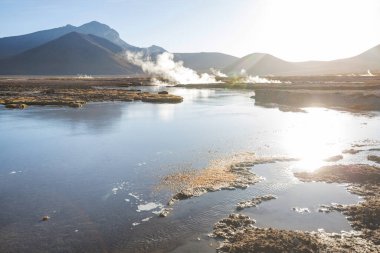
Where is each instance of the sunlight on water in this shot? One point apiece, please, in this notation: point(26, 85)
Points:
point(314, 138)
point(192, 94)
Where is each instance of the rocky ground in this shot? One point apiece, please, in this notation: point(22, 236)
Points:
point(20, 93)
point(238, 234)
point(363, 180)
point(254, 202)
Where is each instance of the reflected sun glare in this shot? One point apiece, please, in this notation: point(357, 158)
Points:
point(314, 138)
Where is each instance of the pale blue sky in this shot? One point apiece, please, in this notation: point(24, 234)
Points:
point(290, 29)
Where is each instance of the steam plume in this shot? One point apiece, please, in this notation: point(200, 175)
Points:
point(217, 73)
point(256, 79)
point(166, 68)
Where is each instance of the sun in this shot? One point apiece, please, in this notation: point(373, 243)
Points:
point(299, 30)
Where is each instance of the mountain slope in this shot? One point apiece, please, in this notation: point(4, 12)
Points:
point(71, 54)
point(259, 64)
point(265, 64)
point(204, 61)
point(10, 46)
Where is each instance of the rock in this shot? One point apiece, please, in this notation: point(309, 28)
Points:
point(374, 158)
point(75, 105)
point(227, 227)
point(351, 151)
point(254, 202)
point(16, 106)
point(162, 98)
point(334, 158)
point(163, 92)
point(165, 212)
point(45, 218)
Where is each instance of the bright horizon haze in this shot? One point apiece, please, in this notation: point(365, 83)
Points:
point(294, 30)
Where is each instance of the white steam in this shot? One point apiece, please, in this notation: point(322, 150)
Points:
point(84, 77)
point(256, 79)
point(217, 73)
point(368, 73)
point(166, 68)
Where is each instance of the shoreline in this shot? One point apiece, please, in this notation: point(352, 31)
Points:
point(238, 233)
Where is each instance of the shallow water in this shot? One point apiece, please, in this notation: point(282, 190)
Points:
point(94, 170)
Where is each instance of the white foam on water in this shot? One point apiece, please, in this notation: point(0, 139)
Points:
point(301, 209)
point(134, 196)
point(148, 207)
point(147, 219)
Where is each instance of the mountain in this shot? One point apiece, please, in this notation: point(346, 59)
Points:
point(259, 64)
point(10, 46)
point(202, 62)
point(265, 64)
point(71, 54)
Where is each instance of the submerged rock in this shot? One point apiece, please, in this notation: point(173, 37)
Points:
point(374, 158)
point(16, 106)
point(45, 218)
point(351, 151)
point(165, 212)
point(215, 179)
point(334, 158)
point(229, 173)
point(254, 202)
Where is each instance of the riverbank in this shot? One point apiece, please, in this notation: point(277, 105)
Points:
point(240, 235)
point(74, 92)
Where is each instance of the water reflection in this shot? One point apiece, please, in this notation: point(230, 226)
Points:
point(97, 117)
point(138, 143)
point(193, 94)
point(315, 137)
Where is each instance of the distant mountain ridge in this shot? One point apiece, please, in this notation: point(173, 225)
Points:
point(266, 64)
point(71, 54)
point(10, 46)
point(203, 61)
point(97, 49)
point(18, 54)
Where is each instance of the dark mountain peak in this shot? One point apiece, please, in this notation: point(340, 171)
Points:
point(70, 54)
point(14, 45)
point(94, 22)
point(96, 26)
point(72, 35)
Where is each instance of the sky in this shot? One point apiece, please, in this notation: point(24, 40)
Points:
point(294, 30)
